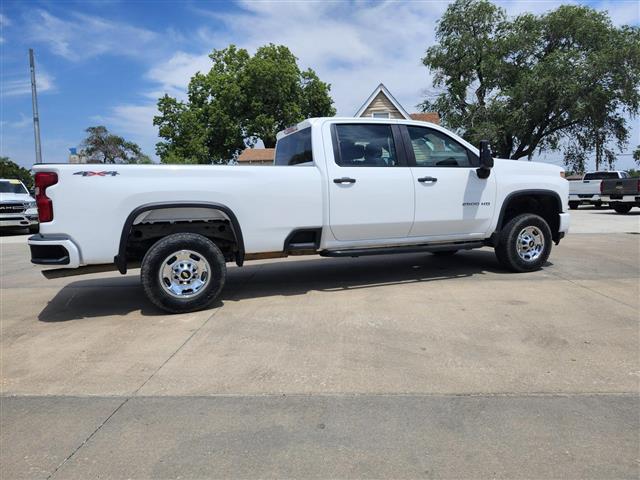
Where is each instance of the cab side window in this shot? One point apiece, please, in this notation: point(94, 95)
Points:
point(435, 149)
point(365, 146)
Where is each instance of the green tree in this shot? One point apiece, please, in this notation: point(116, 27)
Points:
point(241, 99)
point(636, 155)
point(12, 170)
point(100, 146)
point(575, 158)
point(529, 82)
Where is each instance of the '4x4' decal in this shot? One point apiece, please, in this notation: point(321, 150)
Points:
point(85, 173)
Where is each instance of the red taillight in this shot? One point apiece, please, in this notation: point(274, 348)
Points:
point(45, 205)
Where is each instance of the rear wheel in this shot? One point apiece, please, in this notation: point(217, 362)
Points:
point(183, 272)
point(524, 243)
point(574, 205)
point(622, 208)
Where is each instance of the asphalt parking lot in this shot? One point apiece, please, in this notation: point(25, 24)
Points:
point(407, 366)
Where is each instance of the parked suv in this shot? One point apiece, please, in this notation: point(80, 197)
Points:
point(17, 206)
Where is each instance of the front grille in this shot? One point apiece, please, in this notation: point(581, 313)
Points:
point(12, 207)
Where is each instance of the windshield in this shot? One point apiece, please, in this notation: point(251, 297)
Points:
point(13, 186)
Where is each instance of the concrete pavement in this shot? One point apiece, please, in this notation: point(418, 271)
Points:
point(406, 366)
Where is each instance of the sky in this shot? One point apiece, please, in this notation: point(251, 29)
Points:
point(106, 62)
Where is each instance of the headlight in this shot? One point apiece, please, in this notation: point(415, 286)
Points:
point(31, 205)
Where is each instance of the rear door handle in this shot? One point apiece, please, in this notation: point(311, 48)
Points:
point(427, 179)
point(344, 180)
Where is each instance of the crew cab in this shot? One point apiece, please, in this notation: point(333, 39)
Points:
point(339, 187)
point(587, 189)
point(621, 194)
point(17, 207)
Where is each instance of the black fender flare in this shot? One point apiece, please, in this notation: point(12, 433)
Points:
point(525, 193)
point(120, 259)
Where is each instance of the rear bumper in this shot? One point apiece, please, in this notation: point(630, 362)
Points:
point(54, 250)
point(621, 198)
point(585, 198)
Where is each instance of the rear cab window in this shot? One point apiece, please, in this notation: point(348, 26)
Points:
point(601, 176)
point(295, 149)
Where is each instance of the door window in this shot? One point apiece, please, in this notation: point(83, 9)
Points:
point(436, 149)
point(365, 146)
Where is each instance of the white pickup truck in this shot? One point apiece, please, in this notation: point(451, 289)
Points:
point(587, 189)
point(339, 187)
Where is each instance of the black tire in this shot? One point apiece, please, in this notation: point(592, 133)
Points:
point(154, 262)
point(574, 205)
point(598, 205)
point(445, 253)
point(507, 245)
point(34, 229)
point(622, 208)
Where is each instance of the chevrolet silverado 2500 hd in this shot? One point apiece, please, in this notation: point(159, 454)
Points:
point(338, 187)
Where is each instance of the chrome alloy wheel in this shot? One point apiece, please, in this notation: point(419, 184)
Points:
point(184, 274)
point(530, 244)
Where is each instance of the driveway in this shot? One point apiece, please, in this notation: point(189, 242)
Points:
point(394, 366)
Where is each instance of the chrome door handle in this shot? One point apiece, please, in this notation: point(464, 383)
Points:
point(427, 179)
point(344, 180)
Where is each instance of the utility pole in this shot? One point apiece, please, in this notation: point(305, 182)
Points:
point(34, 103)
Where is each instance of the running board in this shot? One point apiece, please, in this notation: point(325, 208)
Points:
point(439, 247)
point(50, 274)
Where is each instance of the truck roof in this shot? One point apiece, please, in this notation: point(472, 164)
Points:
point(320, 120)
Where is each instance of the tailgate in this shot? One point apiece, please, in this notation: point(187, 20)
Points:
point(622, 186)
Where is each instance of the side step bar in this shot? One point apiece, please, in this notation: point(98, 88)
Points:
point(359, 252)
point(52, 273)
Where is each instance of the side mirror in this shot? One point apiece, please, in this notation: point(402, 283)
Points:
point(486, 160)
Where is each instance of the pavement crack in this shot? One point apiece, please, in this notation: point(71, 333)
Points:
point(135, 392)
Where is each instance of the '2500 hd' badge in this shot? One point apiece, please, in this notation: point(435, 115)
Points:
point(97, 174)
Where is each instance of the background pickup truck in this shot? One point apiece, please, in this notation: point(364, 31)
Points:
point(621, 194)
point(17, 207)
point(587, 190)
point(339, 187)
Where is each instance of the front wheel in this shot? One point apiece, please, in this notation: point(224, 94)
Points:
point(574, 205)
point(622, 208)
point(183, 272)
point(524, 243)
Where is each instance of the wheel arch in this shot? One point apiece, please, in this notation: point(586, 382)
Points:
point(549, 206)
point(120, 259)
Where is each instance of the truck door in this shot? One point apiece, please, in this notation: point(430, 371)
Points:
point(451, 200)
point(371, 193)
